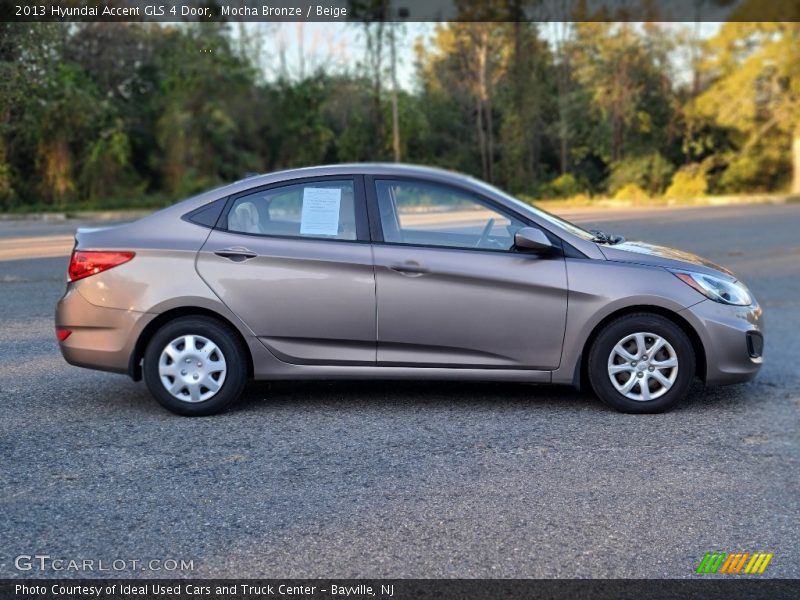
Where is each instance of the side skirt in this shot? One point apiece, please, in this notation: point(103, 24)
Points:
point(422, 373)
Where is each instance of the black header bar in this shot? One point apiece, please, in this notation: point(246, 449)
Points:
point(220, 11)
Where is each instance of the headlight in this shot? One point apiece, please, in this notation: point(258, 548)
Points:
point(716, 288)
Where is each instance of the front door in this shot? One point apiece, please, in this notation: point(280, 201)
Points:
point(451, 289)
point(294, 263)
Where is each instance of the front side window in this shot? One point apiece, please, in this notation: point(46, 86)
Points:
point(321, 209)
point(424, 214)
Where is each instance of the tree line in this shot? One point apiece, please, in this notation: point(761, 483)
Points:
point(100, 114)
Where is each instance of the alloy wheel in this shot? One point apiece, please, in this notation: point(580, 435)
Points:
point(643, 366)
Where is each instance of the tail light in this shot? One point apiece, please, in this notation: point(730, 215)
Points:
point(62, 333)
point(87, 263)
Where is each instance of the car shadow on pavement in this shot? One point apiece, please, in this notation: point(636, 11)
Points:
point(262, 395)
point(411, 393)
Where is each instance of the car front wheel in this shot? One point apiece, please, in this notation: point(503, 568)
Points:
point(195, 366)
point(641, 363)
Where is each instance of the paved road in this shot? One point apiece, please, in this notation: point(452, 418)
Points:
point(409, 479)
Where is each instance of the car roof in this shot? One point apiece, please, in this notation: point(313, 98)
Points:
point(374, 168)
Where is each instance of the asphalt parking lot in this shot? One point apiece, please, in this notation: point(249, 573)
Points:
point(376, 479)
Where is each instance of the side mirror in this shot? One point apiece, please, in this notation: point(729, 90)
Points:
point(530, 238)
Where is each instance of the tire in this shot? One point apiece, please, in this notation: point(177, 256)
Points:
point(213, 357)
point(615, 358)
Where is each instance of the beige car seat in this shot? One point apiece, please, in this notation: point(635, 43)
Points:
point(244, 218)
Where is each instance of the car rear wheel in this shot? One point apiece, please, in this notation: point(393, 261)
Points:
point(195, 366)
point(641, 363)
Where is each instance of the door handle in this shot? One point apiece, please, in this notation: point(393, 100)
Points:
point(236, 254)
point(409, 268)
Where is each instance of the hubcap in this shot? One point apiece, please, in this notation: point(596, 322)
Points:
point(192, 368)
point(643, 366)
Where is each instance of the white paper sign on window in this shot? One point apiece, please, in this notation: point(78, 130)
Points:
point(320, 214)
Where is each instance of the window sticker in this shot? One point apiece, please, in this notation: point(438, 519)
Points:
point(320, 214)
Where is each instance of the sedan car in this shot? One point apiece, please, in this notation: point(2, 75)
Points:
point(395, 272)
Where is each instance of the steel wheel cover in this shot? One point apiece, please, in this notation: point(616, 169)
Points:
point(192, 368)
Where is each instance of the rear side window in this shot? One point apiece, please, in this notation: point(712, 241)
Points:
point(320, 209)
point(206, 215)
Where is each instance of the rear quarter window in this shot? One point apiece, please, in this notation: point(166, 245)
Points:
point(208, 215)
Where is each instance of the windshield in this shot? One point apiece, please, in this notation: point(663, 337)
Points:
point(549, 217)
point(564, 224)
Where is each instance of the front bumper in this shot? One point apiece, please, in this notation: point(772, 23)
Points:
point(732, 337)
point(102, 338)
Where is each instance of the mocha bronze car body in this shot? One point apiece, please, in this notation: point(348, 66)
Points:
point(395, 272)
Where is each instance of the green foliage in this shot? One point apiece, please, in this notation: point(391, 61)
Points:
point(95, 114)
point(7, 193)
point(631, 192)
point(651, 172)
point(754, 98)
point(742, 173)
point(206, 101)
point(690, 181)
point(563, 186)
point(106, 170)
point(754, 171)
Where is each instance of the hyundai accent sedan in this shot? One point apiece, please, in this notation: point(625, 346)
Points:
point(395, 272)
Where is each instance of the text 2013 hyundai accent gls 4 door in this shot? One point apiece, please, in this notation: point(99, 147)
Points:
point(395, 272)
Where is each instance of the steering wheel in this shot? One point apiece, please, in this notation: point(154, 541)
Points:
point(485, 233)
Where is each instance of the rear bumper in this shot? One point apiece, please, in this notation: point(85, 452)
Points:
point(732, 337)
point(102, 338)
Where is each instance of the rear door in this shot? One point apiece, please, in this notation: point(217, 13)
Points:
point(293, 261)
point(452, 289)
